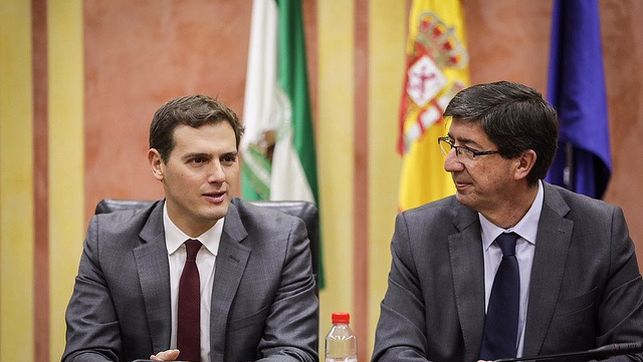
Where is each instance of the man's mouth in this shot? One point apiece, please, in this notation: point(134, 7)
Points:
point(215, 197)
point(460, 184)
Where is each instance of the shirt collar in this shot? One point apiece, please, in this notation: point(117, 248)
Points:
point(526, 228)
point(175, 237)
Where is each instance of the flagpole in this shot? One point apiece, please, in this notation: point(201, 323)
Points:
point(568, 172)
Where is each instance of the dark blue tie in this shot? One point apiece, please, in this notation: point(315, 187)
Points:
point(501, 323)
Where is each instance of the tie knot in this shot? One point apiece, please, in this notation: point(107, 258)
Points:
point(507, 243)
point(192, 247)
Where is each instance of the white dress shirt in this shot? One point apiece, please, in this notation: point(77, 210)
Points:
point(174, 241)
point(527, 229)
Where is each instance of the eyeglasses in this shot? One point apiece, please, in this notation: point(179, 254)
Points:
point(447, 144)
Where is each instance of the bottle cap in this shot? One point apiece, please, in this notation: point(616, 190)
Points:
point(342, 318)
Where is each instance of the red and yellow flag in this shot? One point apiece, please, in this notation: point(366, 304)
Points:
point(437, 68)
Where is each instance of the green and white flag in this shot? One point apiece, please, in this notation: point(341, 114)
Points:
point(278, 147)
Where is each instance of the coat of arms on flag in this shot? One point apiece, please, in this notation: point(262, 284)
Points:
point(437, 68)
point(428, 89)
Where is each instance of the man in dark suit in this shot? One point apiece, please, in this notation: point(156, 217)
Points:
point(509, 266)
point(196, 276)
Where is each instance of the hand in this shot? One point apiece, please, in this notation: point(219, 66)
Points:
point(169, 355)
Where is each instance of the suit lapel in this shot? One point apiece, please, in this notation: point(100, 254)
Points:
point(552, 244)
point(154, 276)
point(467, 266)
point(230, 264)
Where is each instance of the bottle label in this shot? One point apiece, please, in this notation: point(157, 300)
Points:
point(346, 359)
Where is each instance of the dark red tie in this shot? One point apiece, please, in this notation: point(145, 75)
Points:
point(188, 338)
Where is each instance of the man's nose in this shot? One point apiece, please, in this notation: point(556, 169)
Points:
point(451, 162)
point(216, 173)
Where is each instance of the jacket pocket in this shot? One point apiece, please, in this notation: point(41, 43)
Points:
point(255, 318)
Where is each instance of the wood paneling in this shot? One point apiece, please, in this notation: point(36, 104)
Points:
point(140, 54)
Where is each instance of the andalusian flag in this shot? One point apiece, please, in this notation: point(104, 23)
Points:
point(437, 68)
point(278, 147)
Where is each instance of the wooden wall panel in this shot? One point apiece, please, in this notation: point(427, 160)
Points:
point(508, 40)
point(65, 79)
point(16, 183)
point(140, 54)
point(622, 33)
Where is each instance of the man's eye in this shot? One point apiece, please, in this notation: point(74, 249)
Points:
point(229, 158)
point(471, 151)
point(199, 160)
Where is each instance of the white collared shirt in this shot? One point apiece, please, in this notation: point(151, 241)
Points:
point(527, 229)
point(174, 241)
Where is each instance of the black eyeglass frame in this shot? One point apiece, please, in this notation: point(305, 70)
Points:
point(458, 149)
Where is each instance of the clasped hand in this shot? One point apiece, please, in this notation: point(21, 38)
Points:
point(169, 355)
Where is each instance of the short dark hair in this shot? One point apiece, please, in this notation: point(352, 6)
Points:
point(515, 117)
point(194, 111)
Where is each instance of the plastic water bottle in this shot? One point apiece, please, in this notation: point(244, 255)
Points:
point(341, 343)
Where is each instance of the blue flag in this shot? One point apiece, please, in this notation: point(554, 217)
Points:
point(577, 90)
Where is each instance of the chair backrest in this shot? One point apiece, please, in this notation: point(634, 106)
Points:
point(306, 211)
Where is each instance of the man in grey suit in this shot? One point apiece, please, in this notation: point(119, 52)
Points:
point(569, 280)
point(249, 293)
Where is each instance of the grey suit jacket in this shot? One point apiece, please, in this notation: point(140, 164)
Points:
point(585, 291)
point(263, 299)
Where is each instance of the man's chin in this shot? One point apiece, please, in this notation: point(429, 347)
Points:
point(463, 198)
point(218, 212)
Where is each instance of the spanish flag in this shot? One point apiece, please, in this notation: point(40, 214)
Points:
point(437, 68)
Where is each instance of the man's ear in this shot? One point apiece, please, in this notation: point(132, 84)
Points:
point(524, 163)
point(156, 162)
